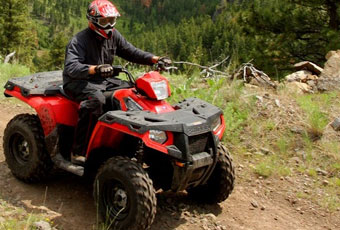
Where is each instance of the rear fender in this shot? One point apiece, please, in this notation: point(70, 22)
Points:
point(111, 135)
point(51, 110)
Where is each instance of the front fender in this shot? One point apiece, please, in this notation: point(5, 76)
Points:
point(111, 135)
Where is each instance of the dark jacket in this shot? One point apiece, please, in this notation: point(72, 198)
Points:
point(87, 48)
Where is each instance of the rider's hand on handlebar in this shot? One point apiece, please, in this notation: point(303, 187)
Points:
point(164, 61)
point(104, 70)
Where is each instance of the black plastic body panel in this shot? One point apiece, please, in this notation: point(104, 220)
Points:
point(45, 83)
point(194, 142)
point(190, 120)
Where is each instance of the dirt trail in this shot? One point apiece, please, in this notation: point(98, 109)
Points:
point(254, 204)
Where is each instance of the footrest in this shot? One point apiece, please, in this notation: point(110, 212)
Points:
point(60, 162)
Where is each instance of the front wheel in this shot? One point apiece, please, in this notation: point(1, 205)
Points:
point(124, 195)
point(221, 182)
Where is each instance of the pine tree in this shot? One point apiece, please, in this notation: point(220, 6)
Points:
point(57, 54)
point(17, 32)
point(288, 31)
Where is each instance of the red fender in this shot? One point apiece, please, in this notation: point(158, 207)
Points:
point(51, 110)
point(110, 135)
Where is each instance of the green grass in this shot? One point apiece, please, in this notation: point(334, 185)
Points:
point(219, 92)
point(317, 120)
point(272, 165)
point(8, 71)
point(13, 218)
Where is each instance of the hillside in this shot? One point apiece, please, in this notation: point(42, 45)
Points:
point(285, 179)
point(286, 153)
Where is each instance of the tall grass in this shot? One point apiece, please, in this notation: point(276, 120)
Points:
point(220, 92)
point(317, 120)
point(8, 71)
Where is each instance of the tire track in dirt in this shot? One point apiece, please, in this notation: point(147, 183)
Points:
point(68, 200)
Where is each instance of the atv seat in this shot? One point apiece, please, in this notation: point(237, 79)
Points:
point(56, 89)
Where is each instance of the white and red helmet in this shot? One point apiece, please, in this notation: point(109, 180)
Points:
point(102, 16)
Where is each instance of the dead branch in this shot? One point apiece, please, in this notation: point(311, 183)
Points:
point(247, 72)
point(208, 71)
point(9, 56)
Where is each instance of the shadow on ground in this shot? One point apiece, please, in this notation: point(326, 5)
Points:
point(68, 201)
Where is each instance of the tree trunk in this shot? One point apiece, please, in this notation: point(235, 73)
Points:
point(334, 19)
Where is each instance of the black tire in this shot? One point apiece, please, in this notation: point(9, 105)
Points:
point(25, 150)
point(124, 195)
point(221, 182)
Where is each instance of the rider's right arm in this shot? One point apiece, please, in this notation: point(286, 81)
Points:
point(74, 59)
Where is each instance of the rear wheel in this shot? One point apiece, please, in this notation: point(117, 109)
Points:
point(221, 182)
point(24, 148)
point(124, 195)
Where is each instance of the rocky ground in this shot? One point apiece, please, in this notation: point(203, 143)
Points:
point(256, 202)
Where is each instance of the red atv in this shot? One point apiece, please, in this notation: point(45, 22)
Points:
point(139, 145)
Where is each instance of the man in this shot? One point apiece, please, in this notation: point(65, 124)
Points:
point(88, 62)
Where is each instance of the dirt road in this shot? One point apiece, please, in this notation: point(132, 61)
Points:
point(255, 203)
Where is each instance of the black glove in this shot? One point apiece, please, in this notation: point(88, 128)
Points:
point(164, 61)
point(104, 70)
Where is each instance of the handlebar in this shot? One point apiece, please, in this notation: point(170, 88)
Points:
point(117, 69)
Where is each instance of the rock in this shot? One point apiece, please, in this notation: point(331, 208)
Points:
point(297, 130)
point(312, 84)
point(330, 76)
point(248, 154)
point(298, 87)
point(310, 66)
point(277, 103)
point(321, 172)
point(332, 66)
point(249, 86)
point(42, 225)
point(254, 204)
point(211, 216)
point(328, 84)
point(258, 153)
point(295, 160)
point(336, 124)
point(300, 76)
point(260, 99)
point(330, 54)
point(325, 182)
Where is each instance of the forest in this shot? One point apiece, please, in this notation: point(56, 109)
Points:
point(272, 34)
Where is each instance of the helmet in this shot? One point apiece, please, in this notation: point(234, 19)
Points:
point(102, 16)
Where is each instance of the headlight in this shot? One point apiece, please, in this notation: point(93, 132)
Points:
point(158, 136)
point(160, 89)
point(216, 124)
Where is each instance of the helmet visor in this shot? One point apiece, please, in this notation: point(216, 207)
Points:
point(107, 21)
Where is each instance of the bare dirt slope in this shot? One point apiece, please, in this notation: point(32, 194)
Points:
point(254, 204)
